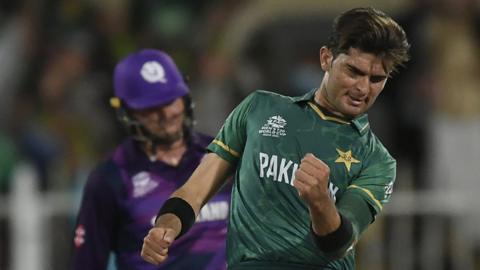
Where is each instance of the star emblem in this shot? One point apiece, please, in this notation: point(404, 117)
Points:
point(346, 158)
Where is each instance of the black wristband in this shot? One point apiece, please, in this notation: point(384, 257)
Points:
point(335, 240)
point(180, 208)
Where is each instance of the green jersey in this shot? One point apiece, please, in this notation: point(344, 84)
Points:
point(266, 137)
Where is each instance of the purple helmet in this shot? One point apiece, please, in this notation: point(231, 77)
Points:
point(148, 78)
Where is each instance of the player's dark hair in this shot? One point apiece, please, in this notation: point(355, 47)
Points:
point(371, 31)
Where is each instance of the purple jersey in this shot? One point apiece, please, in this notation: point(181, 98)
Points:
point(121, 199)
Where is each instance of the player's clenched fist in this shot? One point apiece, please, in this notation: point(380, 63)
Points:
point(311, 179)
point(156, 243)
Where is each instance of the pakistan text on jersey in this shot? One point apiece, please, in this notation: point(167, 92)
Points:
point(281, 170)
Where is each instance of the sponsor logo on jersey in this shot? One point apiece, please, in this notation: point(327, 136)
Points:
point(274, 127)
point(79, 238)
point(152, 72)
point(281, 170)
point(142, 184)
point(388, 190)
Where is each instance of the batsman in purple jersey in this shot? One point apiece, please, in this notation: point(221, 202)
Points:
point(122, 194)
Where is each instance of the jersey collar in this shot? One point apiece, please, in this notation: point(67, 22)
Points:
point(360, 123)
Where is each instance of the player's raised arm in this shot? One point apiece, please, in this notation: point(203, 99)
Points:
point(178, 213)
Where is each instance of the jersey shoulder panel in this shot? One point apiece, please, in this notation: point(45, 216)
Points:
point(378, 151)
point(377, 177)
point(272, 96)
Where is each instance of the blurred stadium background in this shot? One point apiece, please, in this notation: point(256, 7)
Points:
point(56, 60)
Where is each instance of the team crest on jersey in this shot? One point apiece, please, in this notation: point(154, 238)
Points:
point(346, 158)
point(274, 127)
point(153, 72)
point(142, 184)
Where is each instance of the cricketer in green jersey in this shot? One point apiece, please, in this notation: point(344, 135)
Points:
point(310, 175)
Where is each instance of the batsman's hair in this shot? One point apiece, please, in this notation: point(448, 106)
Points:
point(139, 132)
point(372, 31)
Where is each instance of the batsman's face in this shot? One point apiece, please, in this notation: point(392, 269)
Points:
point(164, 121)
point(352, 81)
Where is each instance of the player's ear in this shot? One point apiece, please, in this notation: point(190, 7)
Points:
point(326, 58)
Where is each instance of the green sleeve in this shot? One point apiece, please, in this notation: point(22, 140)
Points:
point(354, 207)
point(356, 210)
point(375, 183)
point(231, 138)
point(367, 194)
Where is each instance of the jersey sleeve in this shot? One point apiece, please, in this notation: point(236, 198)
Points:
point(231, 138)
point(95, 226)
point(369, 192)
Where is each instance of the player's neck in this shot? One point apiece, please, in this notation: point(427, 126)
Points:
point(322, 101)
point(170, 154)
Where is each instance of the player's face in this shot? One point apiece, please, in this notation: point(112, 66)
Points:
point(352, 81)
point(166, 121)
